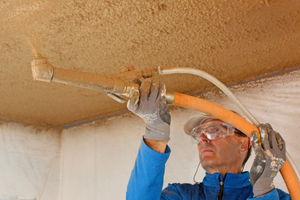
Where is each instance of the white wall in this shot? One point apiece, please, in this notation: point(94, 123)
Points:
point(29, 162)
point(97, 158)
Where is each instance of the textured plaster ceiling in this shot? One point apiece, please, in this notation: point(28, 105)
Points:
point(233, 40)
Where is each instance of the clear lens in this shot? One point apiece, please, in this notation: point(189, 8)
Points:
point(212, 131)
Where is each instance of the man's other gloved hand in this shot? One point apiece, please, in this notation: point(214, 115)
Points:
point(150, 104)
point(269, 158)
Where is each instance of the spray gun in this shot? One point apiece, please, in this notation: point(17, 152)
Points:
point(124, 83)
point(115, 85)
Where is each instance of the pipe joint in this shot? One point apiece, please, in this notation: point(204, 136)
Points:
point(147, 73)
point(41, 69)
point(124, 88)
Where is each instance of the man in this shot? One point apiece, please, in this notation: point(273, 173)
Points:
point(222, 150)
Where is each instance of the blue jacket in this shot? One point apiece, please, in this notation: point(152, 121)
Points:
point(146, 182)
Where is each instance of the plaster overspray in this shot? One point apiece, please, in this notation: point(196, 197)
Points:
point(232, 40)
point(98, 157)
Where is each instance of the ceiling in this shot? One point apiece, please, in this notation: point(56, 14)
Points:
point(232, 40)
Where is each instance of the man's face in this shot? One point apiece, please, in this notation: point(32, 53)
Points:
point(222, 155)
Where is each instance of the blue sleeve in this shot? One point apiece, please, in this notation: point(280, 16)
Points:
point(146, 180)
point(274, 195)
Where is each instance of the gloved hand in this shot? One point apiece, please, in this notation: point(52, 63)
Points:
point(269, 158)
point(150, 104)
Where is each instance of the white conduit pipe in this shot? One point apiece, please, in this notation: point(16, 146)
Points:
point(197, 72)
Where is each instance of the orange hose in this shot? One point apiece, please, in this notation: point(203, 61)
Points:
point(290, 180)
point(215, 110)
point(240, 123)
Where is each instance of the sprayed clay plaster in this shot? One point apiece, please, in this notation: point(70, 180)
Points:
point(232, 40)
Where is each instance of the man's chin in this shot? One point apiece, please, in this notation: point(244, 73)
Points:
point(206, 161)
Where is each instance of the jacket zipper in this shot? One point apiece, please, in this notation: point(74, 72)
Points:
point(221, 188)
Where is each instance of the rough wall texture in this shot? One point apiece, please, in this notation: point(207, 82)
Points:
point(232, 40)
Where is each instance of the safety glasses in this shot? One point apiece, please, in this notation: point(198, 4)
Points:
point(212, 131)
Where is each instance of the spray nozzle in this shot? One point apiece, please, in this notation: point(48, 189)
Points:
point(42, 70)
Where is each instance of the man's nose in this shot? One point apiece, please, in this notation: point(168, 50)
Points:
point(203, 138)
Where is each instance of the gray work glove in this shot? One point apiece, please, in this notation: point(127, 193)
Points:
point(150, 104)
point(269, 158)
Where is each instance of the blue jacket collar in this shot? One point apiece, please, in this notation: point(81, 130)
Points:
point(231, 180)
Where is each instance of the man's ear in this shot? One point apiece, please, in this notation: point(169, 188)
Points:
point(245, 144)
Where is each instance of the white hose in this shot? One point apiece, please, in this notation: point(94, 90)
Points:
point(197, 72)
point(186, 70)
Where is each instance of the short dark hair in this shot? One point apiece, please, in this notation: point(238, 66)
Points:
point(241, 134)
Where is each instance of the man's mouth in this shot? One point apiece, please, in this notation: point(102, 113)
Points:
point(205, 150)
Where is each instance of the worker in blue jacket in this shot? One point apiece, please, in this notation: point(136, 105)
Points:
point(223, 151)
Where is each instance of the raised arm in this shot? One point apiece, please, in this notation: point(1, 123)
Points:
point(149, 103)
